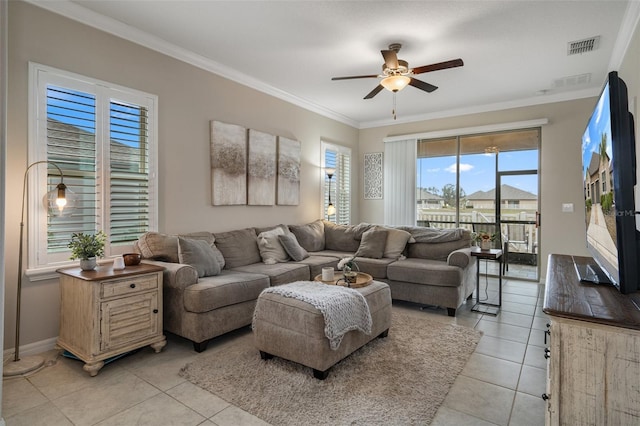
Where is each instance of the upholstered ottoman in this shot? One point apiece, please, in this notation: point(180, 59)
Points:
point(295, 330)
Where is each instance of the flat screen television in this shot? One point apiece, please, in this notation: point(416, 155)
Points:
point(609, 177)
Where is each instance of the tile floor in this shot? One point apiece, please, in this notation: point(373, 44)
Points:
point(500, 385)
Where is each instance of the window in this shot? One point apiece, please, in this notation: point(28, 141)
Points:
point(604, 182)
point(338, 158)
point(102, 136)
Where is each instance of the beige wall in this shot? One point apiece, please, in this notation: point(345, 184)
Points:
point(189, 98)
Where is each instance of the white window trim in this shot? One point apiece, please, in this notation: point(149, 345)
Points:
point(341, 150)
point(36, 180)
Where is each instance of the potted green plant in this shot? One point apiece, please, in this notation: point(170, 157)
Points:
point(87, 248)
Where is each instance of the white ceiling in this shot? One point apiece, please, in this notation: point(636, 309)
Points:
point(513, 51)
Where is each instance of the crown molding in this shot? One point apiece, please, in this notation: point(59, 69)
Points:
point(119, 29)
point(83, 15)
point(499, 106)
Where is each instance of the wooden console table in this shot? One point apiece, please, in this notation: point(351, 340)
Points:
point(106, 312)
point(593, 359)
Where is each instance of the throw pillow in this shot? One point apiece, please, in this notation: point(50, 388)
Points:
point(291, 246)
point(271, 251)
point(209, 238)
point(373, 243)
point(310, 236)
point(396, 241)
point(200, 255)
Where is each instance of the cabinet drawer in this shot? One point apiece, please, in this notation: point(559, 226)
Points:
point(128, 285)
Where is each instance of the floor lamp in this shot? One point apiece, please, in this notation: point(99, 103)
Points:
point(59, 202)
point(331, 209)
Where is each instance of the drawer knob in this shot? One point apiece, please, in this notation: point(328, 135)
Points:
point(545, 396)
point(132, 285)
point(155, 311)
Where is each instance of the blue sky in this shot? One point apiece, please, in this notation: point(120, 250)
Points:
point(477, 171)
point(600, 123)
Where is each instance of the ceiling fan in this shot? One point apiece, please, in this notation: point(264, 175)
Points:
point(396, 74)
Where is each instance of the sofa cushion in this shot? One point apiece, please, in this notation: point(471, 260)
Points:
point(200, 255)
point(396, 242)
point(373, 243)
point(377, 268)
point(426, 272)
point(340, 237)
point(316, 263)
point(310, 236)
point(280, 273)
point(226, 289)
point(436, 251)
point(271, 251)
point(238, 247)
point(292, 247)
point(157, 246)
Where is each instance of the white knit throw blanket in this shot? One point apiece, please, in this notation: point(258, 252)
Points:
point(344, 309)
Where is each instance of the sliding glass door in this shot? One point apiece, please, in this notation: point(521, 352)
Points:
point(484, 182)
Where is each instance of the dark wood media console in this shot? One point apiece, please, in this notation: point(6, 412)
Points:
point(593, 356)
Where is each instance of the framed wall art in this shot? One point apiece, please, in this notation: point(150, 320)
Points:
point(261, 169)
point(228, 164)
point(288, 172)
point(373, 176)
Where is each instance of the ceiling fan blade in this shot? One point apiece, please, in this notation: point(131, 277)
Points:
point(390, 58)
point(374, 92)
point(354, 77)
point(422, 85)
point(439, 66)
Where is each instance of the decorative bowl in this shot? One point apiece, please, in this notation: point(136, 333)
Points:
point(131, 259)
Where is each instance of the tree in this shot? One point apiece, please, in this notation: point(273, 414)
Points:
point(449, 194)
point(602, 150)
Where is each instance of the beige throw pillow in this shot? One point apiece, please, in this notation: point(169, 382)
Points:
point(396, 241)
point(373, 243)
point(271, 251)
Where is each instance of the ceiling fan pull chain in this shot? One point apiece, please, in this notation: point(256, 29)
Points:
point(393, 111)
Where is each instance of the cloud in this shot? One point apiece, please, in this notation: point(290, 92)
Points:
point(463, 168)
point(436, 170)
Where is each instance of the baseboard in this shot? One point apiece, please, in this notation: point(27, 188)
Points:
point(31, 349)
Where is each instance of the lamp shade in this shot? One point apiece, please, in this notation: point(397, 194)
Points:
point(60, 201)
point(395, 83)
point(331, 210)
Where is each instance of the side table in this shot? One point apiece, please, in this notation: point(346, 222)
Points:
point(107, 312)
point(495, 255)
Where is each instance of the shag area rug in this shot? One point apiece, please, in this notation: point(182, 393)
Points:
point(398, 380)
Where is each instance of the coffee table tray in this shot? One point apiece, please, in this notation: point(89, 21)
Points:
point(362, 280)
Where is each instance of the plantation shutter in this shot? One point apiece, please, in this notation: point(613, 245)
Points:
point(339, 159)
point(71, 144)
point(129, 172)
point(103, 138)
point(343, 170)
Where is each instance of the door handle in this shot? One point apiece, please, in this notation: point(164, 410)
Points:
point(537, 219)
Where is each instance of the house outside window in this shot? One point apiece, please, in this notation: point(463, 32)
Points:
point(103, 137)
point(336, 157)
point(604, 182)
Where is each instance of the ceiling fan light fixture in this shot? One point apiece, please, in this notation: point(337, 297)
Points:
point(395, 83)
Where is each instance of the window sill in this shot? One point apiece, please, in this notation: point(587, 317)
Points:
point(49, 272)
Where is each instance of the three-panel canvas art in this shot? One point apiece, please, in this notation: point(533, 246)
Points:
point(253, 167)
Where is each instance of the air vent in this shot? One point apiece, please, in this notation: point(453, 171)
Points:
point(583, 46)
point(572, 81)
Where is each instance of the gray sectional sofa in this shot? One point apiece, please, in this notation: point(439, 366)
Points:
point(212, 280)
